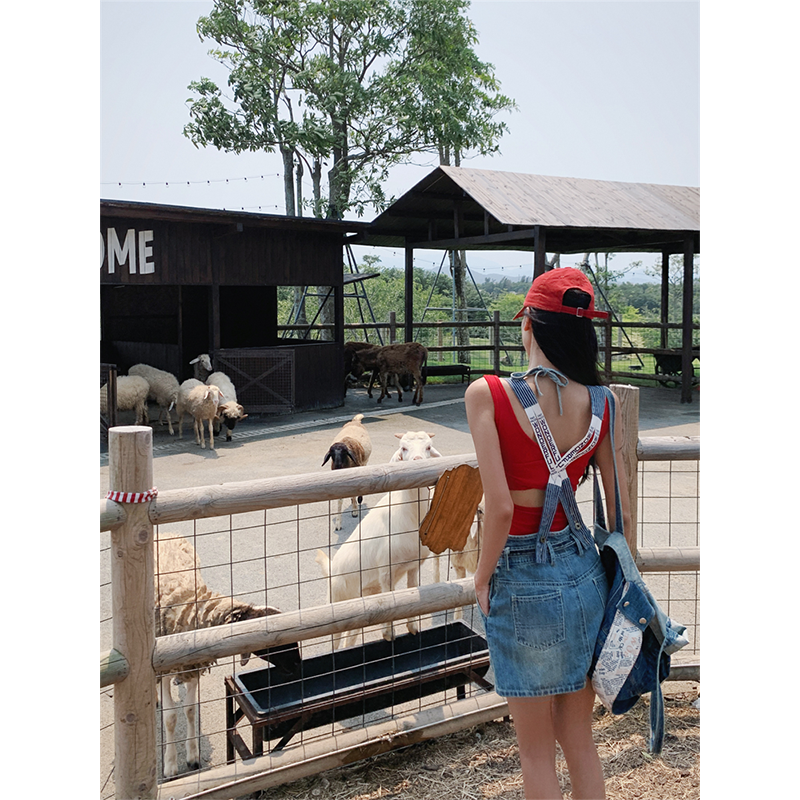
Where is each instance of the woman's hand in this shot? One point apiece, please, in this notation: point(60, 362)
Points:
point(482, 594)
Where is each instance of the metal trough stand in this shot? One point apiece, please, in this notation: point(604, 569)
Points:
point(352, 682)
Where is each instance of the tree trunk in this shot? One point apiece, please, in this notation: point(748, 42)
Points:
point(299, 182)
point(316, 179)
point(288, 180)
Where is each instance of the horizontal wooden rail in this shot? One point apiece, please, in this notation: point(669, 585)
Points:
point(181, 649)
point(312, 758)
point(112, 515)
point(668, 448)
point(239, 497)
point(668, 559)
point(114, 667)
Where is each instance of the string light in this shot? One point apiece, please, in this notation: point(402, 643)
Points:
point(191, 183)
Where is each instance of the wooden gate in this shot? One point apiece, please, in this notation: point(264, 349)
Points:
point(264, 377)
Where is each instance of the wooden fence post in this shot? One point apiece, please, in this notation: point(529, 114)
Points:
point(496, 331)
point(130, 461)
point(628, 415)
point(392, 327)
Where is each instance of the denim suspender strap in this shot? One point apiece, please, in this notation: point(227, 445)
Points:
point(599, 513)
point(558, 485)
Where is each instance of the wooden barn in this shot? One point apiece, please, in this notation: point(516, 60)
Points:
point(176, 282)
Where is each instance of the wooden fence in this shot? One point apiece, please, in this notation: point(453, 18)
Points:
point(137, 656)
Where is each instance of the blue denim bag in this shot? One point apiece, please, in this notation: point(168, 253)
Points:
point(632, 654)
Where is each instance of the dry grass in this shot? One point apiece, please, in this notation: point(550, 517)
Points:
point(482, 763)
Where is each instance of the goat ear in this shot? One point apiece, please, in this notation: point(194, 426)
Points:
point(396, 456)
point(245, 658)
point(325, 460)
point(435, 453)
point(272, 610)
point(431, 435)
point(399, 435)
point(195, 360)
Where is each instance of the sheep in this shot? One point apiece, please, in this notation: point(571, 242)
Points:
point(465, 560)
point(393, 361)
point(163, 389)
point(201, 402)
point(351, 447)
point(202, 367)
point(185, 603)
point(386, 544)
point(132, 391)
point(229, 412)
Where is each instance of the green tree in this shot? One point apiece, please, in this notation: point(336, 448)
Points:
point(333, 81)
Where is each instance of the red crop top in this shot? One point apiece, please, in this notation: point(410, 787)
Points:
point(524, 463)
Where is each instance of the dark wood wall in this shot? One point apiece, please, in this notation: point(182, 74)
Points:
point(184, 253)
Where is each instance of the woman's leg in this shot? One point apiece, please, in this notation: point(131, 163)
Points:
point(533, 721)
point(572, 722)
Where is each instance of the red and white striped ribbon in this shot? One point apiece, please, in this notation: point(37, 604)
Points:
point(132, 497)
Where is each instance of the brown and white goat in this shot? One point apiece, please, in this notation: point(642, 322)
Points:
point(351, 447)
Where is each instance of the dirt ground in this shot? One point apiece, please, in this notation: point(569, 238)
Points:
point(483, 762)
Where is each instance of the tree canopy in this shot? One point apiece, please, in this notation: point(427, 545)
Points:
point(357, 85)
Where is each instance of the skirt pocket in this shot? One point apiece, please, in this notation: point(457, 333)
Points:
point(539, 619)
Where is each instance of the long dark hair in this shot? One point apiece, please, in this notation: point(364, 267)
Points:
point(570, 343)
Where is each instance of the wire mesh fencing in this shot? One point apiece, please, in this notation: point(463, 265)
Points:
point(266, 704)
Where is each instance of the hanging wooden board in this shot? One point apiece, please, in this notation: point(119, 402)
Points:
point(455, 501)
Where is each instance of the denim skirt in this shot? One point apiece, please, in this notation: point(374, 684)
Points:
point(544, 619)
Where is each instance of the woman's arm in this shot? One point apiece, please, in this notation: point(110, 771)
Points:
point(497, 503)
point(605, 463)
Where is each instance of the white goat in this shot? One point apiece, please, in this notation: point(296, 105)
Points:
point(386, 544)
point(201, 402)
point(202, 367)
point(132, 394)
point(229, 412)
point(163, 389)
point(351, 447)
point(185, 603)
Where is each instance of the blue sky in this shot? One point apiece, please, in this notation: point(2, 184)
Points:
point(605, 90)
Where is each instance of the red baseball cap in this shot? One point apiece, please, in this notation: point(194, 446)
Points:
point(547, 293)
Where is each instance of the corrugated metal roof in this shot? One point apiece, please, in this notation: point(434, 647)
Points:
point(518, 199)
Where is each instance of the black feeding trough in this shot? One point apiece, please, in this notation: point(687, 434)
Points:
point(352, 682)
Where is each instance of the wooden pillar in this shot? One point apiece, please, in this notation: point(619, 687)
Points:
point(496, 343)
point(539, 251)
point(392, 327)
point(215, 321)
point(688, 302)
point(628, 417)
point(130, 461)
point(409, 295)
point(664, 298)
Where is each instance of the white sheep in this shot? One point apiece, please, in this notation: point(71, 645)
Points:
point(163, 389)
point(385, 545)
point(465, 560)
point(185, 603)
point(201, 402)
point(202, 367)
point(351, 447)
point(229, 412)
point(132, 391)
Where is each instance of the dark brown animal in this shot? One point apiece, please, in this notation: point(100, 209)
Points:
point(390, 362)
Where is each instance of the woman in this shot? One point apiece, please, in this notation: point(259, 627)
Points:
point(539, 584)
